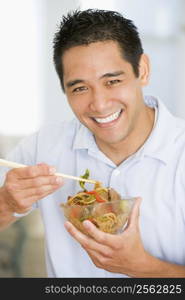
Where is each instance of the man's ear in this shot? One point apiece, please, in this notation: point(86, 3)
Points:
point(144, 69)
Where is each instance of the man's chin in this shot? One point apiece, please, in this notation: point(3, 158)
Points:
point(108, 136)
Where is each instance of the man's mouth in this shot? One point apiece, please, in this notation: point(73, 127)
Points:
point(110, 118)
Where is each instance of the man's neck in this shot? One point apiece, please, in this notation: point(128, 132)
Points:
point(118, 152)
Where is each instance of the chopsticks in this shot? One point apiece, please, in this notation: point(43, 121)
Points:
point(12, 164)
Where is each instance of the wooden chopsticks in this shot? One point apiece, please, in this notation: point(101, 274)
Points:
point(12, 164)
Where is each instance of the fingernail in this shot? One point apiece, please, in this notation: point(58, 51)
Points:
point(87, 224)
point(67, 225)
point(52, 170)
point(59, 180)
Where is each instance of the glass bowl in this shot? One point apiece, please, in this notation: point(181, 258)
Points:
point(110, 217)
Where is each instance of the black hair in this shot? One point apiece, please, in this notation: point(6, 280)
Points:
point(94, 25)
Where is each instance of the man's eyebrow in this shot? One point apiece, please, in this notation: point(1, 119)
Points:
point(112, 74)
point(73, 82)
point(109, 74)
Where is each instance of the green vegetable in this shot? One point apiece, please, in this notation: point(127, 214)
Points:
point(124, 206)
point(85, 176)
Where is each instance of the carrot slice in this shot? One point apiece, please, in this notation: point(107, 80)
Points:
point(98, 198)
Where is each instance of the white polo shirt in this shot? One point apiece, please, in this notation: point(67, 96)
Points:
point(156, 172)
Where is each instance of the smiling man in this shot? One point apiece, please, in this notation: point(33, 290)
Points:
point(106, 97)
point(128, 141)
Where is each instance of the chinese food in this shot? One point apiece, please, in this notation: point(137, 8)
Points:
point(104, 207)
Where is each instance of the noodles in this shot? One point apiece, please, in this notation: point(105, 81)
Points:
point(81, 199)
point(102, 206)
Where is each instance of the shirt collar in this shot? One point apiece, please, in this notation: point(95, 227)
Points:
point(164, 134)
point(84, 138)
point(166, 129)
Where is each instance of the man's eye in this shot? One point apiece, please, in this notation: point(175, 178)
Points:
point(79, 89)
point(114, 81)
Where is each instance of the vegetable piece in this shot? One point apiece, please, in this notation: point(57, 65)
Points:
point(85, 176)
point(124, 206)
point(74, 213)
point(98, 198)
point(103, 193)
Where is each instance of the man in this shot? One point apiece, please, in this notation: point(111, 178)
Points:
point(127, 141)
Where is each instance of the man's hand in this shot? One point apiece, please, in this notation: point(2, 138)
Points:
point(122, 253)
point(24, 186)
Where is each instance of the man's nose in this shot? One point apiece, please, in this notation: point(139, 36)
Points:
point(99, 101)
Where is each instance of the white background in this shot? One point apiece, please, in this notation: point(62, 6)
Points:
point(30, 92)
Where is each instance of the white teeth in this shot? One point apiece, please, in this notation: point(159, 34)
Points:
point(109, 119)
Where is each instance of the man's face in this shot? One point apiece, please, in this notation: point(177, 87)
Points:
point(103, 91)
